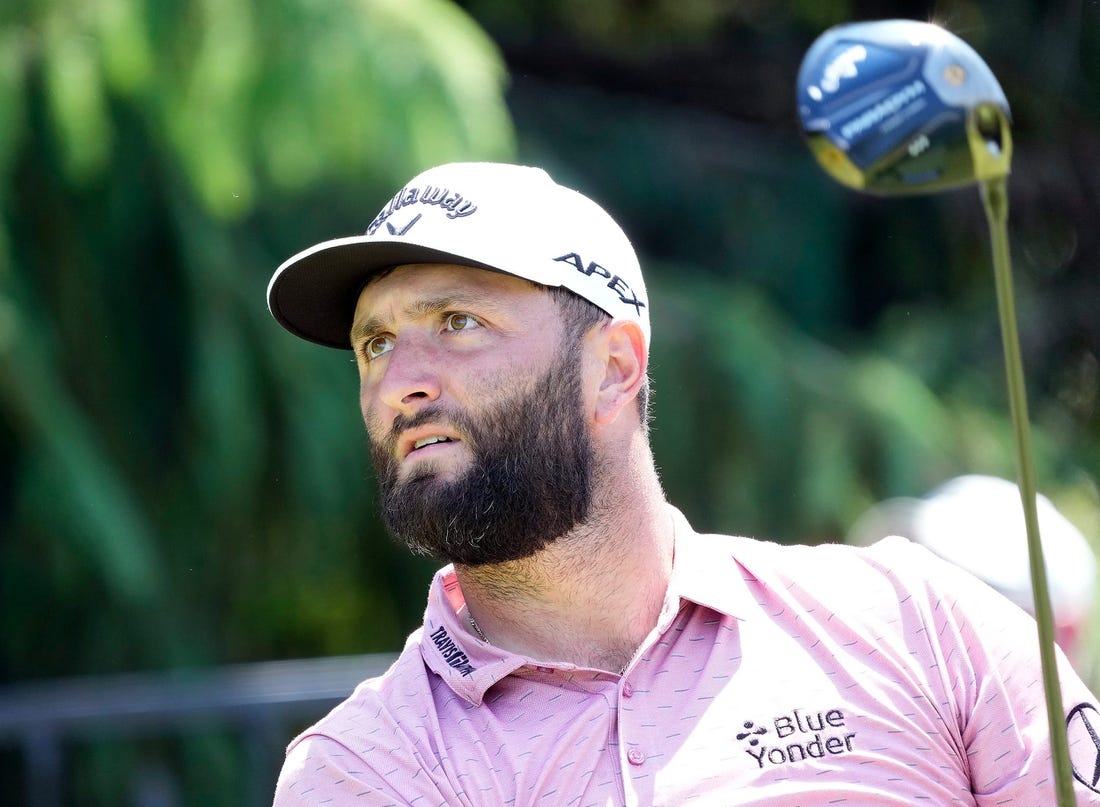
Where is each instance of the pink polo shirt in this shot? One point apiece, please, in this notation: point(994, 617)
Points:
point(776, 675)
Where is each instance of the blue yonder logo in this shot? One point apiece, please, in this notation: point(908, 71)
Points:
point(797, 736)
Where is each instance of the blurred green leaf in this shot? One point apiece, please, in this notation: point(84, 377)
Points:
point(76, 95)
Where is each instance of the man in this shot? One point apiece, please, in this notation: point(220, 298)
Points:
point(585, 645)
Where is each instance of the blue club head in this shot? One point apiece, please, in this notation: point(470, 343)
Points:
point(902, 107)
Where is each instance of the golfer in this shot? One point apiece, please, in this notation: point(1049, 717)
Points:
point(584, 645)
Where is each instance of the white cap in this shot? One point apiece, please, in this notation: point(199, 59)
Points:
point(506, 218)
point(977, 522)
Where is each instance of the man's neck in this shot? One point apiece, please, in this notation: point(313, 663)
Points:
point(591, 597)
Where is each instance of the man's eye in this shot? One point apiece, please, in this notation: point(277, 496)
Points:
point(377, 346)
point(459, 322)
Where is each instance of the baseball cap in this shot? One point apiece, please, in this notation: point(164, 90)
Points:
point(497, 216)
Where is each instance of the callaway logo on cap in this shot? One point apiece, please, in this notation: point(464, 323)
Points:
point(506, 218)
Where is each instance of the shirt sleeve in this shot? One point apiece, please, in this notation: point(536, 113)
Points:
point(987, 650)
point(318, 770)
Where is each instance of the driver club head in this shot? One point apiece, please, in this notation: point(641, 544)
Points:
point(902, 107)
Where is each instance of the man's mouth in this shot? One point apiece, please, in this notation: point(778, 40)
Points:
point(429, 441)
point(423, 439)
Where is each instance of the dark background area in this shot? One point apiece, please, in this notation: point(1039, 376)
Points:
point(185, 485)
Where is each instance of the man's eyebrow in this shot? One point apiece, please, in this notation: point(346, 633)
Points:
point(424, 307)
point(365, 328)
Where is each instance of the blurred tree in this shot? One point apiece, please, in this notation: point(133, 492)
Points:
point(169, 456)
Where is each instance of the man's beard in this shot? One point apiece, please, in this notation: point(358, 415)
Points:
point(530, 481)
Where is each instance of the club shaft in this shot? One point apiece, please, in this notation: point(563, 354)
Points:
point(995, 199)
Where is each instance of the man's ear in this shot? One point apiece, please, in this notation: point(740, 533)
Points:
point(624, 362)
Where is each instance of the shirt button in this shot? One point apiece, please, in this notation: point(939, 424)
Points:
point(635, 756)
point(628, 690)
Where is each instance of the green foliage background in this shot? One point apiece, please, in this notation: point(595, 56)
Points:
point(183, 484)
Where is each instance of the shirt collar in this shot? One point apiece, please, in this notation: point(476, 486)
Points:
point(704, 571)
point(468, 665)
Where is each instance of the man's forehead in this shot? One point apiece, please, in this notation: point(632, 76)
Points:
point(415, 288)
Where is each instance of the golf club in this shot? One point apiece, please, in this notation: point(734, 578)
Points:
point(896, 107)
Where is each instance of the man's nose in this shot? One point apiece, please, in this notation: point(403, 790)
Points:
point(411, 379)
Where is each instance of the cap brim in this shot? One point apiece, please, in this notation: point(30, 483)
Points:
point(313, 294)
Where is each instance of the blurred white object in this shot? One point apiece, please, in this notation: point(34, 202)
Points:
point(977, 523)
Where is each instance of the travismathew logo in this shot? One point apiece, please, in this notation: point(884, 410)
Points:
point(1083, 730)
point(798, 736)
point(453, 202)
point(451, 652)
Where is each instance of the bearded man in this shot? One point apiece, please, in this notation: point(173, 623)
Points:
point(583, 645)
